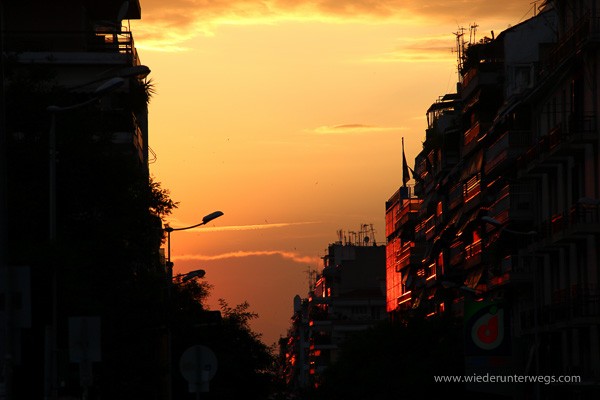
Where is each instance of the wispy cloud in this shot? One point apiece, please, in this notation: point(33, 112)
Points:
point(293, 256)
point(353, 129)
point(247, 227)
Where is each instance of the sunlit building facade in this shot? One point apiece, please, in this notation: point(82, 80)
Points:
point(346, 296)
point(509, 199)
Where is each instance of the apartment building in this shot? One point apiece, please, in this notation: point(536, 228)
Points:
point(74, 121)
point(502, 227)
point(346, 296)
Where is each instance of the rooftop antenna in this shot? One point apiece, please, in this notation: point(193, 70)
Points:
point(473, 33)
point(365, 238)
point(352, 237)
point(460, 49)
point(310, 275)
point(373, 235)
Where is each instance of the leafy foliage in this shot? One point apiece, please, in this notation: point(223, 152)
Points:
point(242, 357)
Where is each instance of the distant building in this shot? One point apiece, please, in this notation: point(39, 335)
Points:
point(346, 297)
point(503, 227)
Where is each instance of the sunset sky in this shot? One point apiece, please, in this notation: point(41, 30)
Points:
point(288, 116)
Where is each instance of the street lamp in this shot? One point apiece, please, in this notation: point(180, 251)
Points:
point(198, 273)
point(190, 275)
point(205, 220)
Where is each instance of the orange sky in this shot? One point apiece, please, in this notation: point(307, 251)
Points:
point(288, 116)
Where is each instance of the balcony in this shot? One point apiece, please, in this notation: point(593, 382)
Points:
point(513, 203)
point(540, 151)
point(579, 219)
point(456, 253)
point(571, 305)
point(407, 212)
point(411, 254)
point(470, 138)
point(473, 254)
point(483, 74)
point(506, 149)
point(425, 230)
point(455, 197)
point(430, 228)
point(472, 190)
point(108, 44)
point(587, 30)
point(404, 301)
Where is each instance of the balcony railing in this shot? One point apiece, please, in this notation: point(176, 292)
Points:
point(513, 202)
point(544, 145)
point(473, 253)
point(509, 146)
point(588, 28)
point(97, 41)
point(411, 254)
point(407, 207)
point(457, 253)
point(579, 301)
point(482, 74)
point(455, 197)
point(578, 218)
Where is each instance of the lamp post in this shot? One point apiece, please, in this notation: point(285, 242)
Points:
point(190, 275)
point(205, 220)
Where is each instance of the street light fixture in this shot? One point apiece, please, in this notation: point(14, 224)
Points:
point(205, 220)
point(198, 273)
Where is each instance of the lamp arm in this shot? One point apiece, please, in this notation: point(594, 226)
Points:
point(183, 229)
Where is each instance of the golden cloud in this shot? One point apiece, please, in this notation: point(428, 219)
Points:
point(166, 25)
point(247, 227)
point(293, 256)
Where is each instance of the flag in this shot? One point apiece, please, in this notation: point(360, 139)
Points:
point(428, 165)
point(405, 169)
point(416, 177)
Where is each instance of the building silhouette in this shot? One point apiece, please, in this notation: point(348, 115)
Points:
point(502, 226)
point(76, 274)
point(346, 296)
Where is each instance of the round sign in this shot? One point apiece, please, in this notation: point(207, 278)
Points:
point(198, 364)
